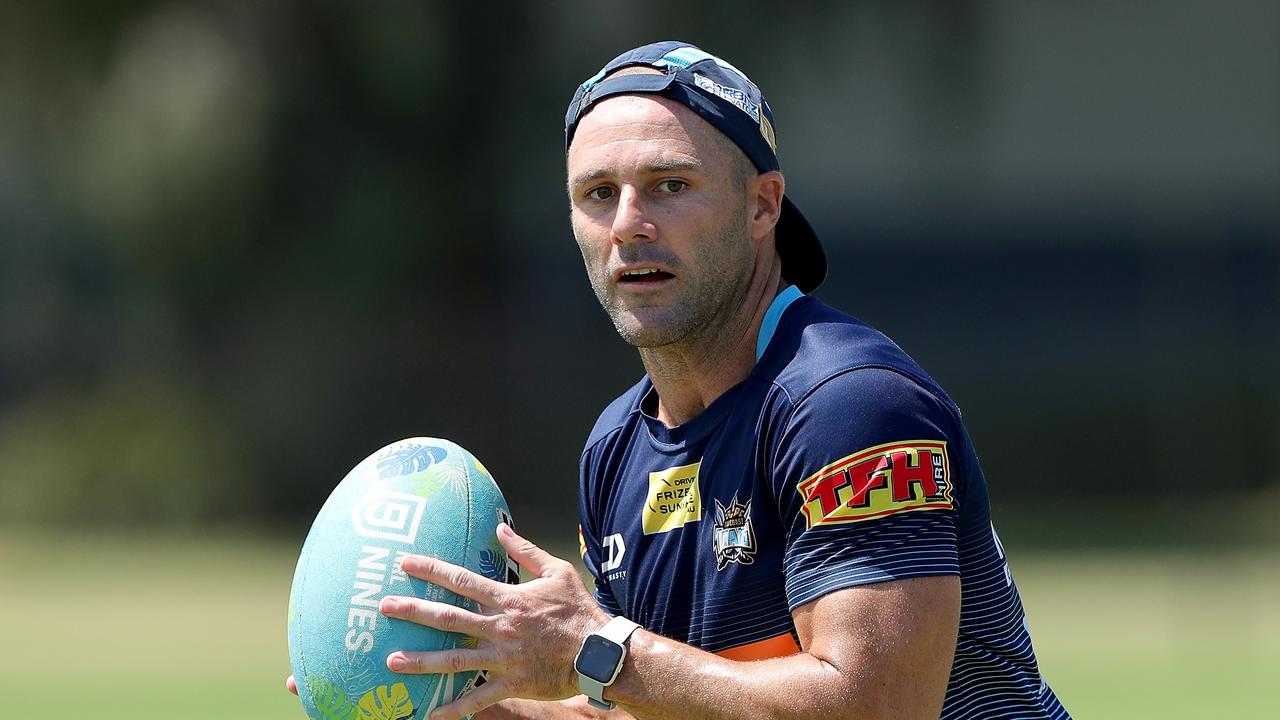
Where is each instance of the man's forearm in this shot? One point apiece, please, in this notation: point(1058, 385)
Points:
point(574, 708)
point(870, 653)
point(663, 679)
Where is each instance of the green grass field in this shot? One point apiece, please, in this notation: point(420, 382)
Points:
point(171, 627)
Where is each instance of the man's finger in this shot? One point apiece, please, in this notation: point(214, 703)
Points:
point(473, 702)
point(531, 557)
point(414, 662)
point(441, 616)
point(291, 685)
point(452, 577)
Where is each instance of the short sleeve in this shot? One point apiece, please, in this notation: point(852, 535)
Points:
point(589, 544)
point(864, 474)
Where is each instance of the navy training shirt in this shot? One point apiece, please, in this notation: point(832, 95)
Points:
point(838, 462)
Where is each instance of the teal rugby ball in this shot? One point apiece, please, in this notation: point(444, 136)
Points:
point(416, 496)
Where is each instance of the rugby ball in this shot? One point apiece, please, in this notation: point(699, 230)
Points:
point(416, 496)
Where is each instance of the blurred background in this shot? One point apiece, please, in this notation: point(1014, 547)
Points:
point(244, 245)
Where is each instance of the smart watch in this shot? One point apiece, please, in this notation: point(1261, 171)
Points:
point(600, 659)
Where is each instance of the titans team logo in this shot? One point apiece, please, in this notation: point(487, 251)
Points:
point(733, 539)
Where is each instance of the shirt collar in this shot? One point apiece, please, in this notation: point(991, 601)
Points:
point(773, 315)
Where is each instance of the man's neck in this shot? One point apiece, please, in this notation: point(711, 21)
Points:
point(688, 376)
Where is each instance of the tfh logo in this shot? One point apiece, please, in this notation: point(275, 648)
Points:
point(388, 515)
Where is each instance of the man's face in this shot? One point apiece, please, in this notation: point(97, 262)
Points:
point(659, 210)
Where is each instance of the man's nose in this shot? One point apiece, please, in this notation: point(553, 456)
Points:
point(630, 221)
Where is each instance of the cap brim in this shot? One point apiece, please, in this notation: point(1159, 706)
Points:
point(804, 262)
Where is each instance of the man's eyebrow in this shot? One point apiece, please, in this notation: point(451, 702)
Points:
point(660, 167)
point(587, 178)
point(674, 166)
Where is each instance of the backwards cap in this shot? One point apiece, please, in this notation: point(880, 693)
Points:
point(723, 96)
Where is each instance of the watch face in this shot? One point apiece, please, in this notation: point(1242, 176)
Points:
point(599, 659)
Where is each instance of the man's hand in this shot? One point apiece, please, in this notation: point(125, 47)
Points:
point(528, 634)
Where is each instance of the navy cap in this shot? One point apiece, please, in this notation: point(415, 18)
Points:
point(723, 96)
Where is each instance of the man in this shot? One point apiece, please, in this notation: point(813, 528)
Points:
point(786, 504)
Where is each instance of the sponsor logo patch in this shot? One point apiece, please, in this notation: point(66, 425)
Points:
point(877, 482)
point(733, 540)
point(673, 499)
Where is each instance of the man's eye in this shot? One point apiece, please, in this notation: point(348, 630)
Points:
point(672, 186)
point(603, 192)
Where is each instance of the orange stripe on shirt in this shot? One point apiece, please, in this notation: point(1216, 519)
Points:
point(776, 646)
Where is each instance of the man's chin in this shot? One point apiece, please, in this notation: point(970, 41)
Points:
point(643, 338)
point(648, 332)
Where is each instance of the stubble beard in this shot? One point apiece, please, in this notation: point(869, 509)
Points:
point(724, 272)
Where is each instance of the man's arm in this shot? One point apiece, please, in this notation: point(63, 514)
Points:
point(575, 708)
point(872, 651)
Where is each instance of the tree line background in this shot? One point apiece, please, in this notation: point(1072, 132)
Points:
point(243, 245)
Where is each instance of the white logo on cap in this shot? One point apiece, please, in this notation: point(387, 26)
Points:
point(735, 96)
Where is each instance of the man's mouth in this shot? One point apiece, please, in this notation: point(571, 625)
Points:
point(640, 276)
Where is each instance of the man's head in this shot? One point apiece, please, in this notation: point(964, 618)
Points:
point(675, 193)
point(670, 227)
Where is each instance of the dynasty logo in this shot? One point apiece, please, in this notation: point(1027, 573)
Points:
point(615, 549)
point(733, 539)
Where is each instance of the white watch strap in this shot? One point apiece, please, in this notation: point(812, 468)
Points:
point(617, 630)
point(594, 692)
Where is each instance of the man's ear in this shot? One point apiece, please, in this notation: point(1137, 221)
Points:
point(765, 202)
